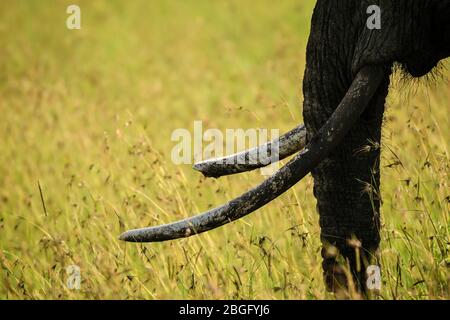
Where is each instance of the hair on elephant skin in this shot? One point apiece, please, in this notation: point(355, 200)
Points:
point(414, 34)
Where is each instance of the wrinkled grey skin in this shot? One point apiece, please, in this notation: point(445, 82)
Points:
point(415, 34)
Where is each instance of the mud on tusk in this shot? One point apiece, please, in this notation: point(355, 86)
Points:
point(255, 158)
point(357, 98)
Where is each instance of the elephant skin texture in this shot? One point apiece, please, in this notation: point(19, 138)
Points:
point(415, 35)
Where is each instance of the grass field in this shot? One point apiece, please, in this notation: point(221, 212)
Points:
point(88, 115)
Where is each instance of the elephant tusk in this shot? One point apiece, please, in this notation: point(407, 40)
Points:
point(258, 157)
point(358, 96)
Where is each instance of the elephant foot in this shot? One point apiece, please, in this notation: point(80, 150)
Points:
point(344, 272)
point(335, 277)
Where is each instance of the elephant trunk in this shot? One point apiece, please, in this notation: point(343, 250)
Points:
point(346, 183)
point(346, 186)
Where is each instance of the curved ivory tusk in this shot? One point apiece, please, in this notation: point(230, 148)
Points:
point(258, 157)
point(329, 136)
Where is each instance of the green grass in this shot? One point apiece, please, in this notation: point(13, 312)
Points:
point(88, 114)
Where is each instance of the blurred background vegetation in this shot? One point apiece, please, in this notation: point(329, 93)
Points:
point(88, 114)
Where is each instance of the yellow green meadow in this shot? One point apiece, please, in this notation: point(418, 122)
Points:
point(86, 118)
